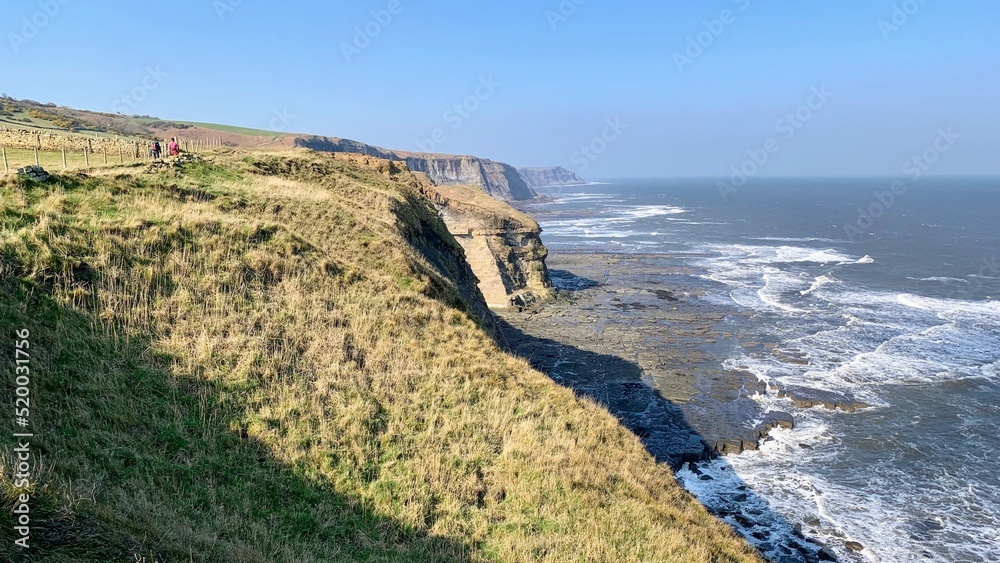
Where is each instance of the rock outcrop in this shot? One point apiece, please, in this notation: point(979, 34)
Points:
point(34, 173)
point(338, 145)
point(502, 245)
point(498, 179)
point(550, 177)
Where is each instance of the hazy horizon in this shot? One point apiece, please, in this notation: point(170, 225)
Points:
point(778, 89)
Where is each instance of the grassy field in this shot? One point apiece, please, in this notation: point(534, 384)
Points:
point(43, 125)
point(218, 127)
point(265, 358)
point(52, 161)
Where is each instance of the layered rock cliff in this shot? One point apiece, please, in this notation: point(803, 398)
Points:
point(502, 245)
point(498, 179)
point(550, 177)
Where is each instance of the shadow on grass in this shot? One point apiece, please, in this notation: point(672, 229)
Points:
point(622, 387)
point(174, 474)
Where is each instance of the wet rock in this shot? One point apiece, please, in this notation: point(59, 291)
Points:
point(854, 546)
point(806, 397)
point(826, 555)
point(775, 419)
point(665, 295)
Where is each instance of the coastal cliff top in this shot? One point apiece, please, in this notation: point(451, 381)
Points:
point(283, 356)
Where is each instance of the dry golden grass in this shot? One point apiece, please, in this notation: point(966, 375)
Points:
point(474, 197)
point(252, 360)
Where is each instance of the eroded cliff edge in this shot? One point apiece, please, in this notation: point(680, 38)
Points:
point(502, 245)
point(498, 179)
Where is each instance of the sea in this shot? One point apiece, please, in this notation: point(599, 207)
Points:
point(884, 289)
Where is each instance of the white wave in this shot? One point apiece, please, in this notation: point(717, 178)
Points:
point(942, 279)
point(866, 260)
point(819, 283)
point(644, 211)
point(615, 223)
point(585, 195)
point(734, 256)
point(799, 239)
point(947, 514)
point(776, 283)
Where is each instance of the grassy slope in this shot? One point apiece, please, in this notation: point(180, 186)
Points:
point(234, 129)
point(214, 126)
point(240, 367)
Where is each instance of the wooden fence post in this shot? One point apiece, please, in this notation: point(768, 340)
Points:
point(86, 157)
point(36, 156)
point(105, 154)
point(121, 155)
point(5, 168)
point(64, 157)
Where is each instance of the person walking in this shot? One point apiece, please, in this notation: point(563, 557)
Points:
point(173, 148)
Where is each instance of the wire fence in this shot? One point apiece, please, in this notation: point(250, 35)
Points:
point(19, 149)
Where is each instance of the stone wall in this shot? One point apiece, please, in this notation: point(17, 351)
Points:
point(22, 139)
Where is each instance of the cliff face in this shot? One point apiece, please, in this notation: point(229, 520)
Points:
point(504, 258)
point(500, 180)
point(550, 177)
point(502, 245)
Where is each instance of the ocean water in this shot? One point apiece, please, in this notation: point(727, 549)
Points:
point(894, 300)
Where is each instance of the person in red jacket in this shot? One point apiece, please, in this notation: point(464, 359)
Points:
point(173, 149)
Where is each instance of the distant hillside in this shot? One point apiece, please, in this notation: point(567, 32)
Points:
point(498, 179)
point(550, 177)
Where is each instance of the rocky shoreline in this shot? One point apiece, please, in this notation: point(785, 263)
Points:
point(644, 350)
point(628, 331)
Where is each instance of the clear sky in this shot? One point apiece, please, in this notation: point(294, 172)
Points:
point(675, 88)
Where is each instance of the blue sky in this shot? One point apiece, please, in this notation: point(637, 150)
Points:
point(610, 89)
